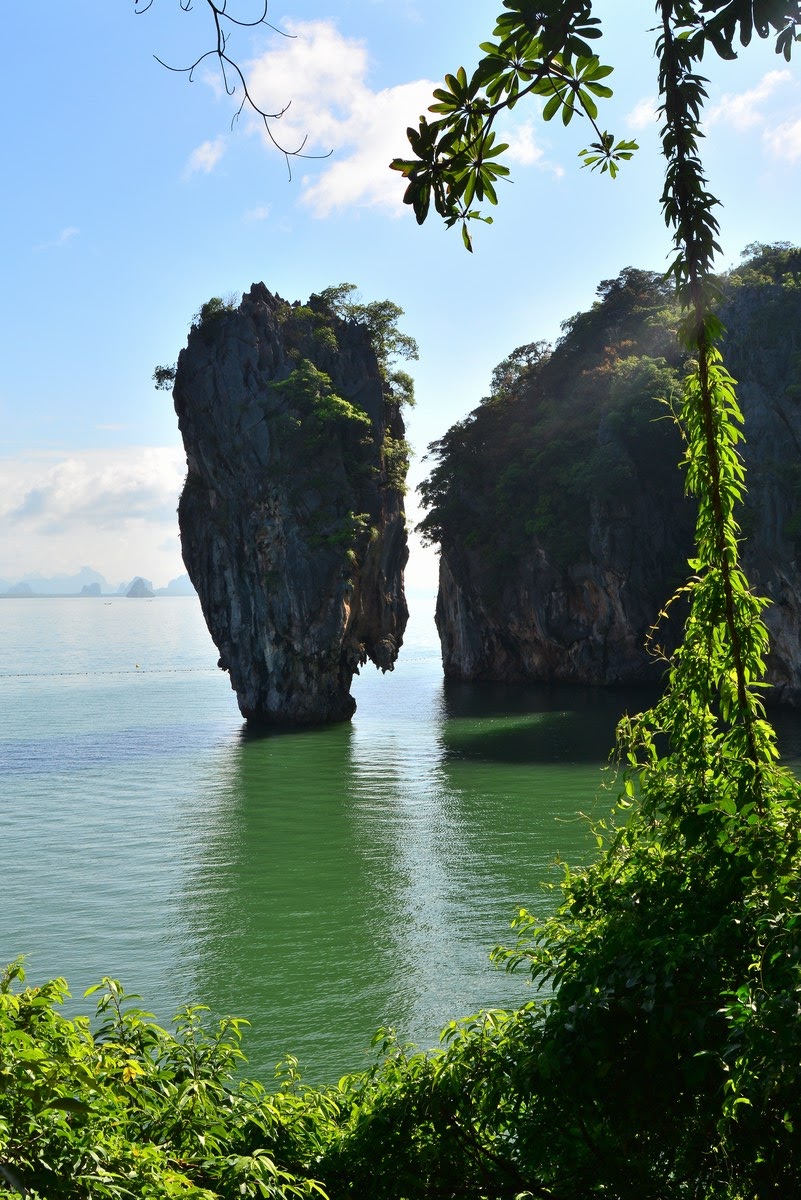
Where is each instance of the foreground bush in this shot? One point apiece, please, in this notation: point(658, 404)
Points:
point(131, 1109)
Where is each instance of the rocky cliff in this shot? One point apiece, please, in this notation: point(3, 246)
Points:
point(558, 505)
point(291, 517)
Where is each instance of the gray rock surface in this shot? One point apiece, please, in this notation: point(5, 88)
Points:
point(291, 529)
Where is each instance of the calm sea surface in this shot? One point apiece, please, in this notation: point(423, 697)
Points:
point(320, 884)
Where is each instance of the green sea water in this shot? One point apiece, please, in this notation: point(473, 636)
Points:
point(322, 883)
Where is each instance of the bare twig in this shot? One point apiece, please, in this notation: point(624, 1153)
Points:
point(232, 74)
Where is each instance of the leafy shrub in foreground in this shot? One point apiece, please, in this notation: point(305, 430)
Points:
point(132, 1110)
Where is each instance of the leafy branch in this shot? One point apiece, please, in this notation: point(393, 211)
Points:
point(542, 52)
point(716, 711)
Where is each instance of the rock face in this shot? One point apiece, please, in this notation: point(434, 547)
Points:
point(763, 352)
point(568, 586)
point(291, 517)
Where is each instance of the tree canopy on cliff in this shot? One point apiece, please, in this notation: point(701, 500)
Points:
point(580, 442)
point(522, 469)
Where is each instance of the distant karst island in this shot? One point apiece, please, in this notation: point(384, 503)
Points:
point(89, 583)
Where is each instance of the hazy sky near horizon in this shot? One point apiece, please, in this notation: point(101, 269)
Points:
point(130, 201)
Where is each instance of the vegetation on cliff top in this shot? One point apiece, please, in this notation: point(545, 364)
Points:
point(591, 419)
point(316, 420)
point(316, 414)
point(524, 465)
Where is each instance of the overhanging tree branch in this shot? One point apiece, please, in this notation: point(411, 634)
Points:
point(233, 76)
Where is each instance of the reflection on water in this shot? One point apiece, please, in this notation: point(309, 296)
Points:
point(322, 883)
point(535, 723)
point(362, 874)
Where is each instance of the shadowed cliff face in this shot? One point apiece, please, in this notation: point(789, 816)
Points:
point(558, 505)
point(291, 518)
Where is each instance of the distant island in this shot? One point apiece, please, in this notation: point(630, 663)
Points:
point(140, 589)
point(90, 583)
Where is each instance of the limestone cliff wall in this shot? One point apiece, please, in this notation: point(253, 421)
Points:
point(582, 623)
point(512, 607)
point(291, 518)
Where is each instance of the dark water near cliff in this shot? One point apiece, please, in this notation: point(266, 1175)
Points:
point(321, 884)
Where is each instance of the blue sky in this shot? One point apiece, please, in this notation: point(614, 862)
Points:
point(129, 201)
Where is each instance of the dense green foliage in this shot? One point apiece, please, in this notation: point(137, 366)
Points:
point(590, 422)
point(314, 326)
point(380, 319)
point(330, 434)
point(130, 1110)
point(526, 464)
point(215, 307)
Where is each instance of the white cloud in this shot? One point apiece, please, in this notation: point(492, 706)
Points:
point(742, 111)
point(66, 235)
point(784, 141)
point(521, 138)
point(260, 213)
point(375, 133)
point(204, 158)
point(332, 107)
point(523, 146)
point(643, 115)
point(112, 508)
point(322, 77)
point(779, 125)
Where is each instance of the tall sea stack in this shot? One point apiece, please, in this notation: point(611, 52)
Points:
point(291, 518)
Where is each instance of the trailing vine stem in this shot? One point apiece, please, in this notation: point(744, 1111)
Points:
point(710, 419)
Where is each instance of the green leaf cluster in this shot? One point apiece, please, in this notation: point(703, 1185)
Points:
point(396, 452)
point(380, 319)
point(216, 307)
point(311, 392)
point(128, 1109)
point(541, 50)
point(164, 377)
